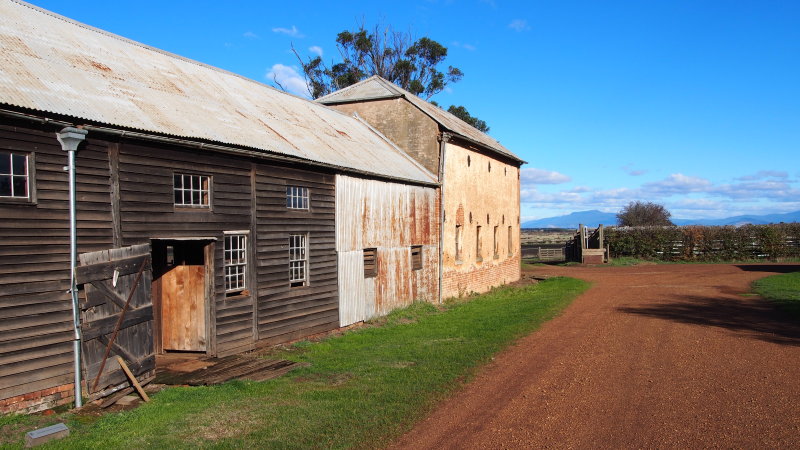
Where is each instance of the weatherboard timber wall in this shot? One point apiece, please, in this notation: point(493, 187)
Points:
point(147, 211)
point(35, 308)
point(286, 313)
point(404, 124)
point(479, 191)
point(389, 217)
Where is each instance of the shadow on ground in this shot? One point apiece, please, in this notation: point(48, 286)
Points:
point(777, 268)
point(752, 317)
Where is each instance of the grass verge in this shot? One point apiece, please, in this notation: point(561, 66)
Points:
point(362, 388)
point(783, 289)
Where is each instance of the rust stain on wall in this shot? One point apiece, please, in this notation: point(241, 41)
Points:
point(390, 217)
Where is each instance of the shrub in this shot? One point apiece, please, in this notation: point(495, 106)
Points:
point(705, 243)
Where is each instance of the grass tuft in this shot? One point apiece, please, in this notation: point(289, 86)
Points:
point(783, 289)
point(361, 389)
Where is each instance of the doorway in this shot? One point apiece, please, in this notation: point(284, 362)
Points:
point(182, 277)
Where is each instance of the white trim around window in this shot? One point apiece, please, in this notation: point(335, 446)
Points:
point(298, 260)
point(235, 262)
point(191, 190)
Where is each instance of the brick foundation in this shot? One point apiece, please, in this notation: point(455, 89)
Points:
point(38, 401)
point(481, 278)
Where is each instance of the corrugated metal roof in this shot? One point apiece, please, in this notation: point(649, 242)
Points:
point(375, 87)
point(50, 63)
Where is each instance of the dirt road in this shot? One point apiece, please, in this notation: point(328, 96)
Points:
point(651, 356)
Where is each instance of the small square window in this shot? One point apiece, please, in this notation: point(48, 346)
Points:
point(296, 197)
point(370, 262)
point(416, 257)
point(235, 264)
point(298, 260)
point(14, 176)
point(191, 191)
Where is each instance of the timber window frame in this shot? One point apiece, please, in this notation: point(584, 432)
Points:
point(298, 260)
point(297, 198)
point(191, 190)
point(17, 177)
point(370, 262)
point(235, 263)
point(416, 257)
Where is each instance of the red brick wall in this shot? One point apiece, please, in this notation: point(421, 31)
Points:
point(38, 400)
point(481, 279)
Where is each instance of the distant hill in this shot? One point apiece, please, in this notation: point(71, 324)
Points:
point(589, 218)
point(594, 217)
point(743, 220)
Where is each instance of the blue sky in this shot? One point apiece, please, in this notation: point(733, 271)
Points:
point(693, 104)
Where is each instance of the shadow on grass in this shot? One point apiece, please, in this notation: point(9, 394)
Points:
point(754, 318)
point(776, 268)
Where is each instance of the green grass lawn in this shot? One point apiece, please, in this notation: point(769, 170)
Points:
point(362, 388)
point(783, 289)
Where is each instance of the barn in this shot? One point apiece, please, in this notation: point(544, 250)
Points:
point(202, 211)
point(479, 179)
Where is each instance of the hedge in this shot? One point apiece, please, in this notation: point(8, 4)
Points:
point(706, 243)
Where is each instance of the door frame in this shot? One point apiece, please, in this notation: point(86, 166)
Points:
point(209, 244)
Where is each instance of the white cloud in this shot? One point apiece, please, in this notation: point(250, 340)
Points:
point(251, 35)
point(316, 49)
point(762, 174)
point(540, 176)
point(677, 183)
point(519, 25)
point(702, 204)
point(293, 32)
point(289, 78)
point(465, 46)
point(630, 170)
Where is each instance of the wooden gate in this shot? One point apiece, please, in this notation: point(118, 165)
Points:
point(116, 315)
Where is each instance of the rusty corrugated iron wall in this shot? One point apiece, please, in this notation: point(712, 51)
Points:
point(391, 218)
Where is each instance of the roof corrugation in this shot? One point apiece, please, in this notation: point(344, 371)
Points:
point(50, 63)
point(375, 87)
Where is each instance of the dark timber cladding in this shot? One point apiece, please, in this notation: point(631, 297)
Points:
point(286, 312)
point(125, 192)
point(35, 308)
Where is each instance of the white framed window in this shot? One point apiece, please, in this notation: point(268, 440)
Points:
point(14, 176)
point(296, 197)
point(193, 191)
point(235, 256)
point(298, 259)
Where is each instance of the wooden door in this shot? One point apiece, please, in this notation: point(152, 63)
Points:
point(116, 315)
point(183, 321)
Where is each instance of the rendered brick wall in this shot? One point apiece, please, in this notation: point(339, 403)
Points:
point(481, 279)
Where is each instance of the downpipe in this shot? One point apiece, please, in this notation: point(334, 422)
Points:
point(70, 138)
point(443, 148)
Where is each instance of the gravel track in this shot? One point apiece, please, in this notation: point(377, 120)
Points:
point(664, 356)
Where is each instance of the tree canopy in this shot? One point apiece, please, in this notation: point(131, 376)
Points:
point(393, 55)
point(642, 214)
point(462, 113)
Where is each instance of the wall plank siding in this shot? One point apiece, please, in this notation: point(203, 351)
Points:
point(35, 310)
point(285, 312)
point(147, 210)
